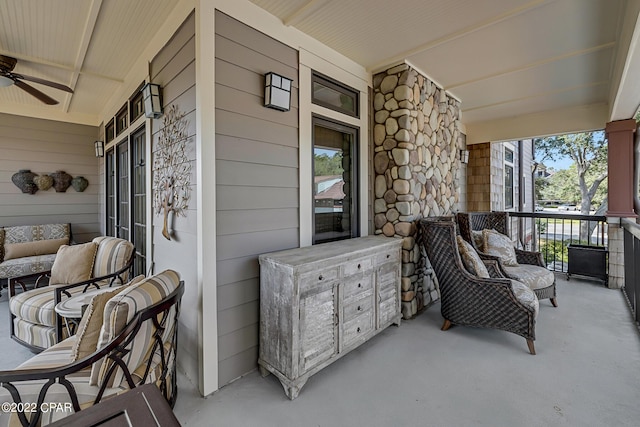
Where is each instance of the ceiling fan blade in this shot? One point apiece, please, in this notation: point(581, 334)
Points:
point(44, 82)
point(35, 92)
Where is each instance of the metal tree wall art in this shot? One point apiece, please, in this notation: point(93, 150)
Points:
point(171, 169)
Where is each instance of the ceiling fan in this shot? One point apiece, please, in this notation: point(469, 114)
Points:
point(8, 78)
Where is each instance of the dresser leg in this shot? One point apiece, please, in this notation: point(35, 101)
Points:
point(264, 372)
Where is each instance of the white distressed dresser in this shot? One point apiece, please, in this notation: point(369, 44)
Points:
point(318, 303)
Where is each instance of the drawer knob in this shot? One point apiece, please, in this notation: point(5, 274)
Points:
point(320, 277)
point(358, 266)
point(358, 330)
point(359, 308)
point(388, 256)
point(359, 285)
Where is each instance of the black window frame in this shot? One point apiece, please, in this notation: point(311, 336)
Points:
point(338, 87)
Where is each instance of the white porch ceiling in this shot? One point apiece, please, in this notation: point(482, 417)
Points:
point(506, 60)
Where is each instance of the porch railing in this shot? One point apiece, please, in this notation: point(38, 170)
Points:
point(631, 266)
point(552, 233)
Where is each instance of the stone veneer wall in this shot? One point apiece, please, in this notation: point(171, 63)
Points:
point(417, 168)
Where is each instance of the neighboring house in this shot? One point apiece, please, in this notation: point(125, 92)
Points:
point(500, 176)
point(543, 172)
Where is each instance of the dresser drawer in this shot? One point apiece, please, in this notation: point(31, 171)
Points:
point(357, 266)
point(357, 328)
point(356, 287)
point(315, 278)
point(390, 256)
point(358, 307)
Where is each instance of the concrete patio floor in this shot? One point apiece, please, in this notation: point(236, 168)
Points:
point(586, 373)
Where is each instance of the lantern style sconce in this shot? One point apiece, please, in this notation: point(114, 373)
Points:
point(277, 92)
point(152, 101)
point(99, 145)
point(464, 156)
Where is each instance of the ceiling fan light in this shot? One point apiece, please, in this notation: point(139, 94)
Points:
point(5, 81)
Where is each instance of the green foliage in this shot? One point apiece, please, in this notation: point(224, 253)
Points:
point(540, 187)
point(325, 165)
point(583, 182)
point(553, 251)
point(541, 226)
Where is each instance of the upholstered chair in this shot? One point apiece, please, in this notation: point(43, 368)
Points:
point(476, 300)
point(127, 337)
point(106, 261)
point(528, 267)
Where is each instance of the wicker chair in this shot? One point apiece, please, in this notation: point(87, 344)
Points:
point(499, 221)
point(469, 300)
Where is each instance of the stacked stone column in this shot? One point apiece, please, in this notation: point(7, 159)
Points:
point(417, 168)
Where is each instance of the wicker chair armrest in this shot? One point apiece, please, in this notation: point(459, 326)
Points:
point(486, 257)
point(493, 267)
point(529, 257)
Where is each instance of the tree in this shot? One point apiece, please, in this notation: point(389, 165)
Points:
point(325, 165)
point(589, 154)
point(588, 151)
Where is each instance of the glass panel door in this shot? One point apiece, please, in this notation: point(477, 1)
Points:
point(335, 181)
point(110, 188)
point(139, 213)
point(122, 196)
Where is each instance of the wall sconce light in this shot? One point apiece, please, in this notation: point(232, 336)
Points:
point(99, 145)
point(464, 156)
point(152, 101)
point(277, 92)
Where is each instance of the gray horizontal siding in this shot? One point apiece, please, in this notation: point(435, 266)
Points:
point(173, 68)
point(44, 146)
point(257, 182)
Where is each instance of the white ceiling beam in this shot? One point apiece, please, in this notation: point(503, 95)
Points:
point(545, 123)
point(40, 61)
point(383, 65)
point(304, 12)
point(535, 64)
point(538, 95)
point(85, 39)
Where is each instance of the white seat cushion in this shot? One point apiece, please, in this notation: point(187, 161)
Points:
point(534, 276)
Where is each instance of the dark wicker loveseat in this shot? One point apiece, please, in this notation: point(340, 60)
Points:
point(467, 299)
point(531, 263)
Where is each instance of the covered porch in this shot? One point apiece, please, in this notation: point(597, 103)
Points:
point(509, 71)
point(585, 373)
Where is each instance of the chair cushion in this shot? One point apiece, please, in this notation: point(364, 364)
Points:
point(36, 335)
point(37, 305)
point(30, 233)
point(470, 259)
point(25, 266)
point(500, 245)
point(37, 247)
point(111, 256)
point(534, 276)
point(478, 240)
point(54, 356)
point(73, 264)
point(88, 330)
point(526, 296)
point(120, 310)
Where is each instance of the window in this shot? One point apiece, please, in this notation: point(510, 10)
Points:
point(333, 95)
point(110, 131)
point(508, 179)
point(335, 192)
point(121, 121)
